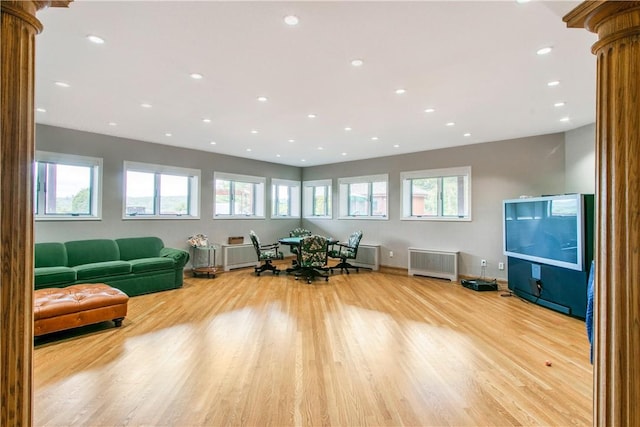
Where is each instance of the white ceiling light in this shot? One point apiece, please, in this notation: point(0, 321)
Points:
point(522, 1)
point(553, 83)
point(560, 104)
point(544, 50)
point(206, 120)
point(429, 110)
point(113, 124)
point(311, 116)
point(291, 20)
point(357, 62)
point(262, 98)
point(41, 110)
point(467, 134)
point(374, 138)
point(320, 148)
point(344, 154)
point(95, 39)
point(62, 84)
point(396, 146)
point(347, 129)
point(277, 155)
point(254, 131)
point(564, 119)
point(167, 134)
point(212, 143)
point(451, 124)
point(196, 76)
point(145, 105)
point(292, 140)
point(303, 160)
point(400, 91)
point(248, 150)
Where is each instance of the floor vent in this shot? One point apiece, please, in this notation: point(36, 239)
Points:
point(441, 264)
point(238, 256)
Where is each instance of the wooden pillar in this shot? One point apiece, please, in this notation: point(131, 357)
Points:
point(19, 28)
point(617, 291)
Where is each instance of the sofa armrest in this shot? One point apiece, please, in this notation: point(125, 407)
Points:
point(179, 256)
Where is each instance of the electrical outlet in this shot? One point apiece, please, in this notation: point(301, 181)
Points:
point(501, 266)
point(483, 263)
point(390, 254)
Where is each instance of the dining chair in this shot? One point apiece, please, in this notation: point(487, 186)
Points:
point(297, 232)
point(266, 254)
point(313, 258)
point(346, 251)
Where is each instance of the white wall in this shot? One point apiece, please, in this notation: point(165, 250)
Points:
point(580, 160)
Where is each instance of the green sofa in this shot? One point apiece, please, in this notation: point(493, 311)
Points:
point(135, 265)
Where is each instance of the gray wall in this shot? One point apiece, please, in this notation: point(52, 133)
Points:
point(580, 160)
point(499, 170)
point(114, 151)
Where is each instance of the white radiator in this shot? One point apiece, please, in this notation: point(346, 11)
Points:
point(238, 256)
point(441, 264)
point(368, 256)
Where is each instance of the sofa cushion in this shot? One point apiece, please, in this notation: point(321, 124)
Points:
point(151, 264)
point(102, 269)
point(81, 252)
point(50, 255)
point(139, 247)
point(45, 276)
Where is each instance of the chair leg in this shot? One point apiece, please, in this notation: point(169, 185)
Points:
point(267, 266)
point(343, 265)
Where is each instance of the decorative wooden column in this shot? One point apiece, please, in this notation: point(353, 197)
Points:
point(617, 291)
point(19, 28)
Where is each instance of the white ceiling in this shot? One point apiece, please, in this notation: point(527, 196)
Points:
point(475, 62)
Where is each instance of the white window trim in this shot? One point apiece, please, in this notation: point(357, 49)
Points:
point(194, 185)
point(307, 201)
point(261, 197)
point(431, 173)
point(75, 160)
point(295, 202)
point(343, 204)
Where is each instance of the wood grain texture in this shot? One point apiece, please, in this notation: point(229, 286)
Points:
point(617, 298)
point(367, 349)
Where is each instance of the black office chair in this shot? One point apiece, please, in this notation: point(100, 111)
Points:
point(313, 258)
point(346, 251)
point(266, 254)
point(297, 232)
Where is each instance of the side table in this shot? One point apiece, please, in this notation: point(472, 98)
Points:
point(203, 260)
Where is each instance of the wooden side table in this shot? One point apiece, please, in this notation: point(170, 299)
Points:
point(203, 260)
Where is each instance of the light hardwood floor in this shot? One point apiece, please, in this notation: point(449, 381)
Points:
point(367, 349)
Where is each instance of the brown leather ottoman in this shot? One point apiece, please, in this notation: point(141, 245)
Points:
point(57, 309)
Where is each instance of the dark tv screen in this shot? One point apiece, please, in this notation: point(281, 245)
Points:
point(547, 230)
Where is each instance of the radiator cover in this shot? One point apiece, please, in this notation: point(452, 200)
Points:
point(433, 263)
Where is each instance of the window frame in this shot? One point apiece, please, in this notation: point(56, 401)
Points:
point(39, 187)
point(193, 198)
point(406, 179)
point(294, 202)
point(343, 199)
point(259, 194)
point(308, 198)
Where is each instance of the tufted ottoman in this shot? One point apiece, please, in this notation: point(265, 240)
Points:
point(57, 309)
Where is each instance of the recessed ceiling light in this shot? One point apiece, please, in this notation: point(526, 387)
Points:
point(564, 119)
point(254, 131)
point(212, 143)
point(467, 134)
point(262, 98)
point(248, 149)
point(400, 91)
point(374, 138)
point(347, 129)
point(429, 110)
point(311, 116)
point(95, 39)
point(544, 50)
point(560, 104)
point(522, 1)
point(303, 160)
point(277, 155)
point(62, 84)
point(357, 62)
point(196, 76)
point(167, 134)
point(396, 146)
point(320, 148)
point(553, 83)
point(206, 120)
point(451, 124)
point(41, 110)
point(145, 105)
point(291, 20)
point(113, 124)
point(292, 140)
point(344, 154)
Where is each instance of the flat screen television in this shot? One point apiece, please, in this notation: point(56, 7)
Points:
point(547, 230)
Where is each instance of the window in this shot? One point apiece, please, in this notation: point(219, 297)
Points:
point(157, 191)
point(364, 197)
point(285, 198)
point(238, 196)
point(440, 194)
point(66, 186)
point(317, 199)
